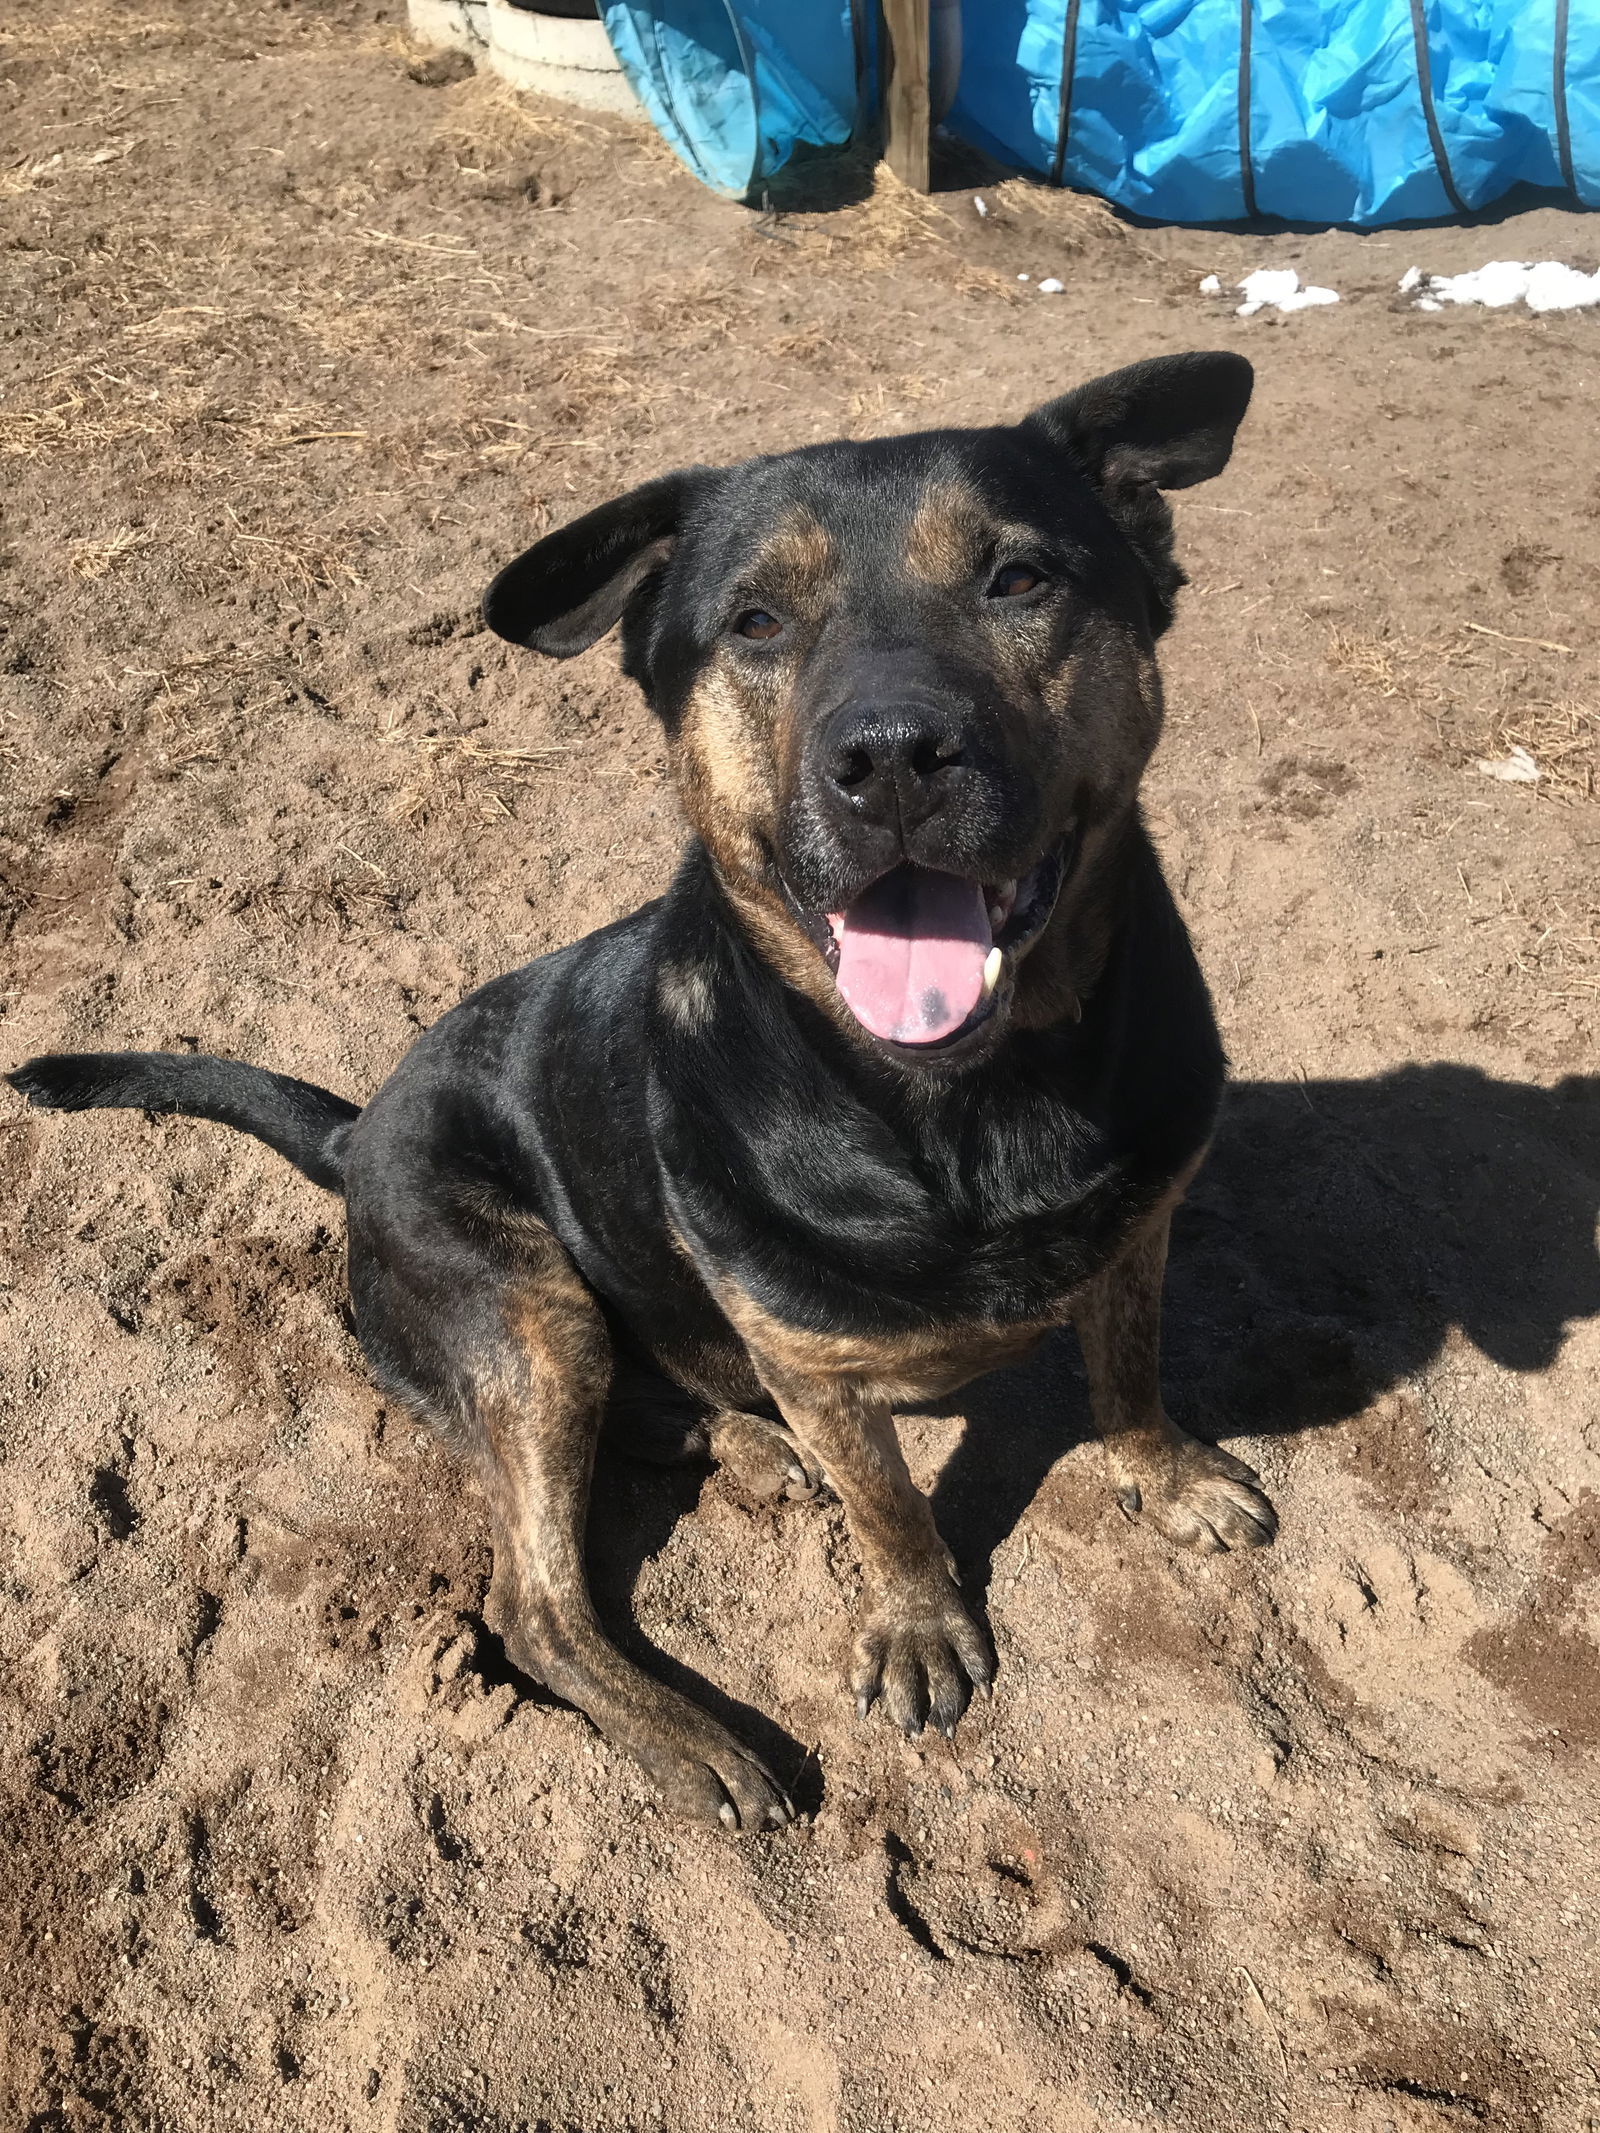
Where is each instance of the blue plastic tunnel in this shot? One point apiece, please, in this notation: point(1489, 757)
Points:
point(1353, 111)
point(735, 86)
point(1347, 111)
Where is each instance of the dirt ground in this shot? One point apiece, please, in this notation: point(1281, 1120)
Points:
point(297, 348)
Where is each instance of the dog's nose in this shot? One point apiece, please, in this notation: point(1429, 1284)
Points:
point(896, 763)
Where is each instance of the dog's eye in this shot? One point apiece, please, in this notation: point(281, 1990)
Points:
point(756, 622)
point(1015, 580)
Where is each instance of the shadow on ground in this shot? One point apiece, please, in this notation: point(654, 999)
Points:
point(1340, 1232)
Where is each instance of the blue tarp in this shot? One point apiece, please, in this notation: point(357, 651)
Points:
point(735, 86)
point(1356, 111)
point(1352, 111)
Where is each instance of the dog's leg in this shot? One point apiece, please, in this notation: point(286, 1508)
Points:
point(517, 1377)
point(1197, 1495)
point(542, 1443)
point(918, 1649)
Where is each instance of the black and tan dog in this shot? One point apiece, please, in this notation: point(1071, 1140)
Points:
point(908, 1066)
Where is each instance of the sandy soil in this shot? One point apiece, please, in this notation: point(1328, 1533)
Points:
point(298, 347)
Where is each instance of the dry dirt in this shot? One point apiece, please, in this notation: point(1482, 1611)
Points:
point(297, 348)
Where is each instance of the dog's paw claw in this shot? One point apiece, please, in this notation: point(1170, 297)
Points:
point(921, 1655)
point(764, 1459)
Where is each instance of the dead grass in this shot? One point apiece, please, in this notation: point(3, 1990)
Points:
point(457, 751)
point(973, 280)
point(594, 378)
point(195, 704)
point(32, 172)
point(698, 313)
point(12, 750)
point(96, 556)
point(455, 772)
point(486, 126)
point(880, 230)
point(1384, 664)
point(894, 222)
point(810, 346)
point(884, 404)
point(95, 28)
point(1556, 947)
point(1562, 738)
point(292, 559)
point(89, 407)
point(277, 907)
point(90, 412)
point(1473, 688)
point(1069, 224)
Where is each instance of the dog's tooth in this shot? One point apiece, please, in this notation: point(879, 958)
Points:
point(993, 963)
point(1005, 899)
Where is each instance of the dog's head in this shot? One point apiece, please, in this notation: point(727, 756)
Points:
point(909, 685)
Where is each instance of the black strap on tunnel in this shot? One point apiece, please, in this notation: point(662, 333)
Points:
point(1247, 168)
point(1441, 161)
point(1563, 125)
point(1069, 67)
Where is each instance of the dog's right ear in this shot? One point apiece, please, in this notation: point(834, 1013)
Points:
point(574, 585)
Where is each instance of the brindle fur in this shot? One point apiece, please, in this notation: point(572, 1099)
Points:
point(665, 1180)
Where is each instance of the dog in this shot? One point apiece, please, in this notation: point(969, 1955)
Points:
point(909, 1065)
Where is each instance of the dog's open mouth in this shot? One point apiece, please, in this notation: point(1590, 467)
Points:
point(919, 955)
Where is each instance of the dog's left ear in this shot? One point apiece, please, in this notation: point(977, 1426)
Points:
point(1169, 422)
point(566, 591)
point(1159, 425)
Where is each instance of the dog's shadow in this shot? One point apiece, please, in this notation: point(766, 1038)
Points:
point(1339, 1234)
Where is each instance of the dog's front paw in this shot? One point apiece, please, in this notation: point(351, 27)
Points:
point(1200, 1497)
point(703, 1774)
point(921, 1653)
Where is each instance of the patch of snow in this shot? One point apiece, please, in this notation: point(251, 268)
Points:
point(1554, 287)
point(1211, 286)
point(980, 204)
point(1543, 285)
point(1052, 287)
point(1410, 280)
point(1024, 277)
point(1517, 768)
point(1279, 287)
point(1501, 282)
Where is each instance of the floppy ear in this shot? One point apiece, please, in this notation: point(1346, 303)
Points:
point(1167, 423)
point(574, 585)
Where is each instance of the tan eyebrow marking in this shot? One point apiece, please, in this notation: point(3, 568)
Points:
point(797, 557)
point(948, 534)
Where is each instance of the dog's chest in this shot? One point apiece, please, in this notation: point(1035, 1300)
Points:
point(894, 1365)
point(916, 1283)
point(782, 1315)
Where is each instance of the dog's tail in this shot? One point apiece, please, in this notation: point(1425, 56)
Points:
point(307, 1124)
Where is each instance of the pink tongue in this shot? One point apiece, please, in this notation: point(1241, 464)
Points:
point(911, 954)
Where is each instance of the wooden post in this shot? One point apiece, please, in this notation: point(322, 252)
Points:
point(905, 103)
